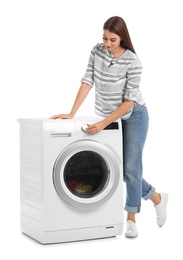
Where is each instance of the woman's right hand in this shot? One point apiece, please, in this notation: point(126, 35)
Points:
point(62, 116)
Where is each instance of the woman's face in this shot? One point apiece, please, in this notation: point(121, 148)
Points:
point(111, 41)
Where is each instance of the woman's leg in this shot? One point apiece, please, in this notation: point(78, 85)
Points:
point(155, 198)
point(134, 135)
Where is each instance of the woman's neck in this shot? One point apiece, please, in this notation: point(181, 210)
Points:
point(118, 53)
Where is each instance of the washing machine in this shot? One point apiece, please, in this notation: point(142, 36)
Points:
point(71, 182)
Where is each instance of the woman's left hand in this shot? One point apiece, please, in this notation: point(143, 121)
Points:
point(95, 128)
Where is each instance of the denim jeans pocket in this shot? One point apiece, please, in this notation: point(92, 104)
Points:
point(141, 110)
point(139, 107)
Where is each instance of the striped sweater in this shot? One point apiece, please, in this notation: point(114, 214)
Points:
point(115, 79)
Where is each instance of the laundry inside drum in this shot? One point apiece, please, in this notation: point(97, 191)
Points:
point(83, 188)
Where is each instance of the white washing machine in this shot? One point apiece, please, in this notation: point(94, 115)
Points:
point(71, 182)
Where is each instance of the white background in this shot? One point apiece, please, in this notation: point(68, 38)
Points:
point(44, 50)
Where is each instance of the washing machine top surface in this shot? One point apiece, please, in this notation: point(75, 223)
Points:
point(70, 127)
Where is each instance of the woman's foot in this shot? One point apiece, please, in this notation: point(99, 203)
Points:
point(161, 209)
point(131, 229)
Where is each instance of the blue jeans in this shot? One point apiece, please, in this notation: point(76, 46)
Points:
point(134, 135)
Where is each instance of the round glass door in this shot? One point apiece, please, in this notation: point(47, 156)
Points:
point(86, 174)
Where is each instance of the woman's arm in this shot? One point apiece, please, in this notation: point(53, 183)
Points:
point(81, 95)
point(118, 113)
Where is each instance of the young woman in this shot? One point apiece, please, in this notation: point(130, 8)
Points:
point(115, 70)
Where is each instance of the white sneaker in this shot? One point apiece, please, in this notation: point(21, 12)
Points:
point(131, 230)
point(161, 209)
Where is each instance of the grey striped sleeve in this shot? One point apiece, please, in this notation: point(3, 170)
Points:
point(89, 74)
point(133, 80)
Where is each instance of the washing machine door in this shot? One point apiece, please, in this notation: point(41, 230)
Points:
point(86, 174)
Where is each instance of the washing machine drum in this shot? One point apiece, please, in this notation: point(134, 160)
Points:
point(86, 174)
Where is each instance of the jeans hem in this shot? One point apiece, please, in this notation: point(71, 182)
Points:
point(149, 194)
point(133, 210)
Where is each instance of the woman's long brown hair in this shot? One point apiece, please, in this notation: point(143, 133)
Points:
point(117, 25)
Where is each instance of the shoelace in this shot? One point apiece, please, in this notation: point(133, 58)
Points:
point(159, 212)
point(129, 226)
